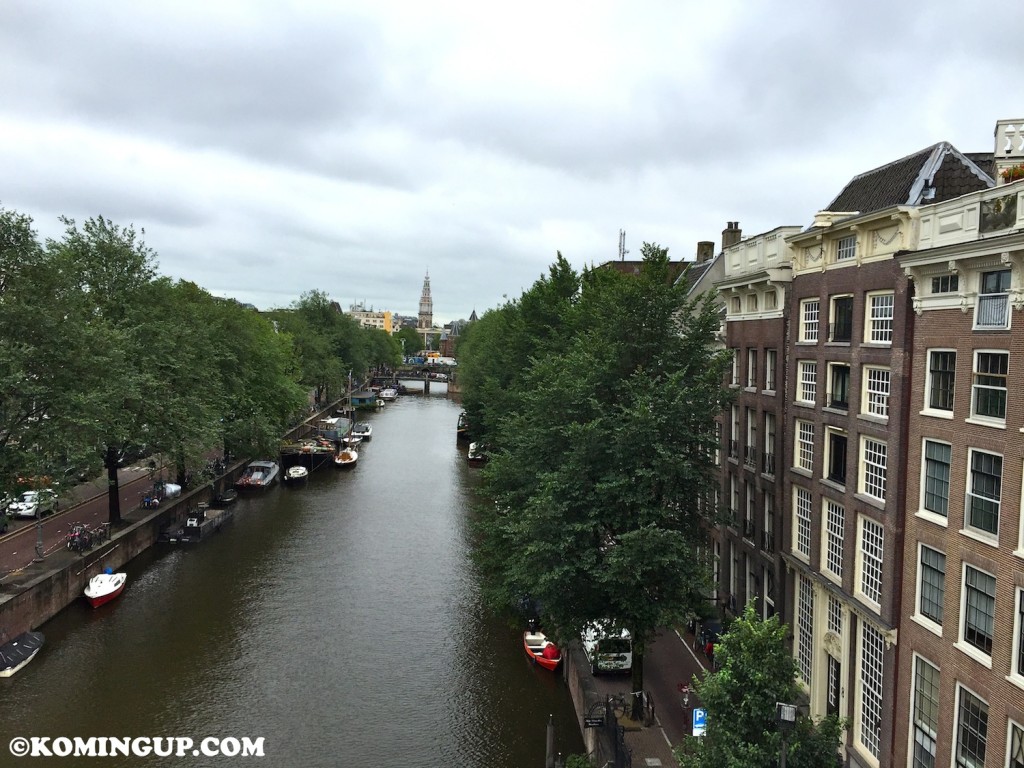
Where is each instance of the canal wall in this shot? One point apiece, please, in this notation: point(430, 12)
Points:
point(588, 701)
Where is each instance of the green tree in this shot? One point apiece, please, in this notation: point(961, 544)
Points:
point(755, 673)
point(413, 341)
point(603, 445)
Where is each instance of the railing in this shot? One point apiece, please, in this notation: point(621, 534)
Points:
point(734, 449)
point(992, 311)
point(750, 456)
point(748, 530)
point(767, 541)
point(768, 463)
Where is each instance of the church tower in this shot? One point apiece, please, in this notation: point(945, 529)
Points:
point(426, 305)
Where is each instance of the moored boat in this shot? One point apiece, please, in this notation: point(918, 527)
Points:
point(540, 650)
point(462, 428)
point(20, 651)
point(296, 474)
point(104, 587)
point(259, 474)
point(362, 430)
point(346, 457)
point(225, 498)
point(477, 454)
point(388, 394)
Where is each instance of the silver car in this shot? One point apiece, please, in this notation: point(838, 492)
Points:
point(33, 503)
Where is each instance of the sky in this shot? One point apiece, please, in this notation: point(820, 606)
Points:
point(270, 148)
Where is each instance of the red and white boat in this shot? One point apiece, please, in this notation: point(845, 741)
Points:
point(104, 587)
point(541, 651)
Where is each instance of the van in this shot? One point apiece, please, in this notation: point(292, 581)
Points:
point(607, 650)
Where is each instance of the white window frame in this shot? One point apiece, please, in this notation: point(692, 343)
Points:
point(870, 554)
point(807, 381)
point(1012, 725)
point(958, 702)
point(771, 300)
point(993, 298)
point(771, 360)
point(751, 367)
point(977, 389)
point(879, 317)
point(874, 467)
point(1016, 660)
point(735, 305)
point(833, 534)
point(810, 320)
point(768, 448)
point(972, 650)
point(846, 248)
point(871, 670)
point(922, 732)
point(833, 314)
point(830, 394)
point(803, 504)
point(735, 380)
point(752, 303)
point(826, 464)
point(804, 646)
point(929, 409)
point(876, 381)
point(803, 453)
point(920, 617)
point(969, 490)
point(934, 515)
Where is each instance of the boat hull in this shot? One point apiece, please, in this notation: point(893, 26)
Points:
point(101, 591)
point(534, 643)
point(19, 652)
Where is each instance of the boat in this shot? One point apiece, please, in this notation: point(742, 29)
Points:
point(388, 394)
point(296, 474)
point(20, 651)
point(259, 474)
point(462, 428)
point(225, 498)
point(104, 587)
point(477, 454)
point(362, 430)
point(200, 522)
point(346, 457)
point(540, 650)
point(351, 440)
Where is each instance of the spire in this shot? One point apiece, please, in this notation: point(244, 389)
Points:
point(426, 319)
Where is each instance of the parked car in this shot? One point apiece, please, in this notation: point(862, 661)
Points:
point(607, 650)
point(31, 503)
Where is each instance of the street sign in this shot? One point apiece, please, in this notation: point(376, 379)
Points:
point(700, 721)
point(593, 722)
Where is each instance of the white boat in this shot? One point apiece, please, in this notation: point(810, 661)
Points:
point(346, 457)
point(296, 474)
point(259, 474)
point(104, 587)
point(19, 652)
point(362, 430)
point(388, 394)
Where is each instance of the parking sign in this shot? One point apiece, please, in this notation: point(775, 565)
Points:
point(700, 721)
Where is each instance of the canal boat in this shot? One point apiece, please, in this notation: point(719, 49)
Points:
point(362, 430)
point(346, 458)
point(540, 650)
point(258, 475)
point(20, 651)
point(462, 428)
point(296, 474)
point(477, 454)
point(388, 394)
point(225, 498)
point(104, 587)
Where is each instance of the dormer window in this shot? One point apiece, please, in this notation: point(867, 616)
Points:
point(846, 248)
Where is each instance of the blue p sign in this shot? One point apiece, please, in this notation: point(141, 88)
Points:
point(700, 721)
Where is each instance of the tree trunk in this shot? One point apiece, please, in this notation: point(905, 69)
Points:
point(638, 683)
point(113, 491)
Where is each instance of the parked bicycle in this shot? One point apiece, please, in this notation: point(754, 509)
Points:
point(79, 539)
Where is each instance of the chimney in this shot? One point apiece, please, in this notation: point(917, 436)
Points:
point(705, 250)
point(732, 234)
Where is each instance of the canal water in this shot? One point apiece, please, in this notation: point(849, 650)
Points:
point(341, 621)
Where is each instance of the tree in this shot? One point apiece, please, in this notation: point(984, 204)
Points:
point(413, 342)
point(755, 672)
point(601, 447)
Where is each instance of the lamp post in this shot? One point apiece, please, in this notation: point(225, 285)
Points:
point(684, 699)
point(785, 718)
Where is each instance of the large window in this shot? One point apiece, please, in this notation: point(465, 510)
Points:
point(807, 381)
point(802, 527)
point(879, 318)
point(971, 730)
point(941, 377)
point(876, 392)
point(846, 248)
point(993, 308)
point(871, 547)
point(752, 367)
point(1018, 656)
point(771, 360)
point(931, 584)
point(979, 609)
point(841, 325)
point(768, 463)
point(735, 378)
point(926, 713)
point(750, 449)
point(809, 319)
point(946, 284)
point(768, 534)
point(935, 494)
point(835, 532)
point(874, 455)
point(804, 458)
point(734, 433)
point(835, 459)
point(988, 392)
point(984, 491)
point(839, 386)
point(871, 657)
point(1016, 751)
point(805, 628)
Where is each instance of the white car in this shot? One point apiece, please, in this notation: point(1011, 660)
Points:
point(607, 650)
point(31, 503)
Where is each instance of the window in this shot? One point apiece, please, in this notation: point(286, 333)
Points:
point(841, 325)
point(734, 500)
point(871, 545)
point(807, 381)
point(750, 449)
point(941, 376)
point(993, 308)
point(835, 461)
point(805, 628)
point(802, 532)
point(748, 521)
point(846, 248)
point(752, 302)
point(979, 609)
point(769, 593)
point(771, 359)
point(876, 392)
point(946, 284)
point(832, 691)
point(839, 386)
point(1016, 756)
point(835, 531)
point(931, 584)
point(1018, 656)
point(734, 433)
point(879, 321)
point(835, 616)
point(988, 392)
point(984, 491)
point(735, 380)
point(752, 367)
point(805, 445)
point(872, 650)
point(768, 534)
point(874, 455)
point(768, 464)
point(809, 318)
point(971, 730)
point(770, 300)
point(926, 713)
point(935, 497)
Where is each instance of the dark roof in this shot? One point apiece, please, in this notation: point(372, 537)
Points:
point(695, 272)
point(675, 268)
point(912, 179)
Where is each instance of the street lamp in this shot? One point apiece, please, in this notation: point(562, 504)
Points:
point(684, 696)
point(785, 718)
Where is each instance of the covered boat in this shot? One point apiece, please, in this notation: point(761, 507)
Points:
point(20, 651)
point(259, 474)
point(296, 474)
point(104, 587)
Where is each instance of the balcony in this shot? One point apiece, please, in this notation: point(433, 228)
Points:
point(750, 457)
point(734, 449)
point(768, 463)
point(993, 311)
point(767, 541)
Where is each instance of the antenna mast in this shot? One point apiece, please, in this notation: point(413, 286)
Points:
point(622, 245)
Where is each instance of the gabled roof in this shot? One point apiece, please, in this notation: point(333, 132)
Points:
point(936, 173)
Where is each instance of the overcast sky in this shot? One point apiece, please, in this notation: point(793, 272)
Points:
point(270, 148)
